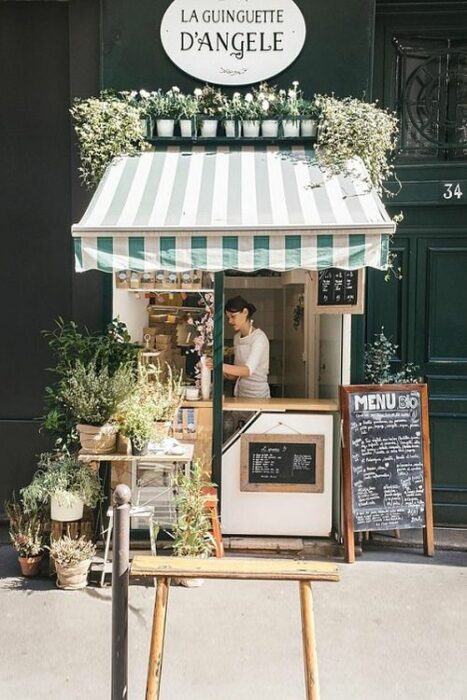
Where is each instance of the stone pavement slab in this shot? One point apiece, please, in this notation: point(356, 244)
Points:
point(395, 627)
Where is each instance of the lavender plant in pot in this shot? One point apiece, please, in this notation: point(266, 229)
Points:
point(26, 535)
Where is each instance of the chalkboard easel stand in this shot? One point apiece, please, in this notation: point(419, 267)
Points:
point(348, 526)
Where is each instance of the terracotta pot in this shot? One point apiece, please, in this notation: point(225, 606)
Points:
point(30, 566)
point(97, 439)
point(71, 578)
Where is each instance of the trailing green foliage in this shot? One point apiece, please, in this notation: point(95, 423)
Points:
point(61, 476)
point(378, 355)
point(106, 127)
point(192, 532)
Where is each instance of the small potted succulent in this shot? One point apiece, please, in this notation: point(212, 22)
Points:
point(192, 530)
point(27, 536)
point(72, 558)
point(210, 106)
point(93, 397)
point(66, 484)
point(188, 111)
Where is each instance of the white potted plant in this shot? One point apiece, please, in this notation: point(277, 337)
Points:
point(309, 113)
point(289, 109)
point(64, 483)
point(187, 115)
point(165, 109)
point(93, 397)
point(231, 112)
point(192, 531)
point(250, 113)
point(267, 98)
point(72, 558)
point(210, 105)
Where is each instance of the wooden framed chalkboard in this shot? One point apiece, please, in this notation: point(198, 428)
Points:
point(386, 460)
point(282, 463)
point(338, 291)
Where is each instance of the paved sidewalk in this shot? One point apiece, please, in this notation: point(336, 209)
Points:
point(395, 627)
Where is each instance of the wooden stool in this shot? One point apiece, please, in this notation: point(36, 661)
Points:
point(164, 568)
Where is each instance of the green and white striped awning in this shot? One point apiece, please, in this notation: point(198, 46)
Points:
point(231, 207)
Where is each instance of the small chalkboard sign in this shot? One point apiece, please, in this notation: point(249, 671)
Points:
point(282, 463)
point(339, 291)
point(386, 460)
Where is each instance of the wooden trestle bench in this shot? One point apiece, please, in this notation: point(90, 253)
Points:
point(165, 568)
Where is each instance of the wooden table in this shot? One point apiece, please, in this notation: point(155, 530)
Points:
point(164, 568)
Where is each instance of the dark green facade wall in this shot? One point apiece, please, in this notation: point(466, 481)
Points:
point(337, 56)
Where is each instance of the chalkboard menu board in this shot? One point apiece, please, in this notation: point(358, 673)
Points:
point(337, 287)
point(282, 462)
point(386, 456)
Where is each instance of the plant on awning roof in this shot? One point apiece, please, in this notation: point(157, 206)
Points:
point(349, 127)
point(106, 128)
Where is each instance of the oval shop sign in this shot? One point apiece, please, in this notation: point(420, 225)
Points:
point(233, 42)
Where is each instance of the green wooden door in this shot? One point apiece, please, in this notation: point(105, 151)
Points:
point(421, 72)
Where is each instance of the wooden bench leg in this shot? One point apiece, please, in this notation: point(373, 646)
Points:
point(310, 659)
point(157, 639)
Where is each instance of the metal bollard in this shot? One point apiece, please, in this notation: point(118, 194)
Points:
point(120, 581)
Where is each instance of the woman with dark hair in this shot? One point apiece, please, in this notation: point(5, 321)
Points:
point(251, 352)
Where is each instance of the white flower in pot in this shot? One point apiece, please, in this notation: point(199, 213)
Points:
point(93, 397)
point(250, 112)
point(27, 536)
point(210, 108)
point(187, 113)
point(64, 482)
point(72, 558)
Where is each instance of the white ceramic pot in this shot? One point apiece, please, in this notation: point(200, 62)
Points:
point(66, 512)
point(291, 128)
point(186, 128)
point(205, 380)
point(251, 128)
point(309, 127)
point(209, 128)
point(165, 127)
point(72, 578)
point(230, 130)
point(270, 128)
point(97, 439)
point(144, 121)
point(192, 393)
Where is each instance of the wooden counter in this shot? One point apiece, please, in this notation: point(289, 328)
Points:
point(312, 405)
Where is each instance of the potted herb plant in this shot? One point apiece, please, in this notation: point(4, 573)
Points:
point(137, 420)
point(165, 109)
point(27, 536)
point(93, 396)
point(66, 484)
point(378, 356)
point(210, 105)
point(72, 558)
point(192, 531)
